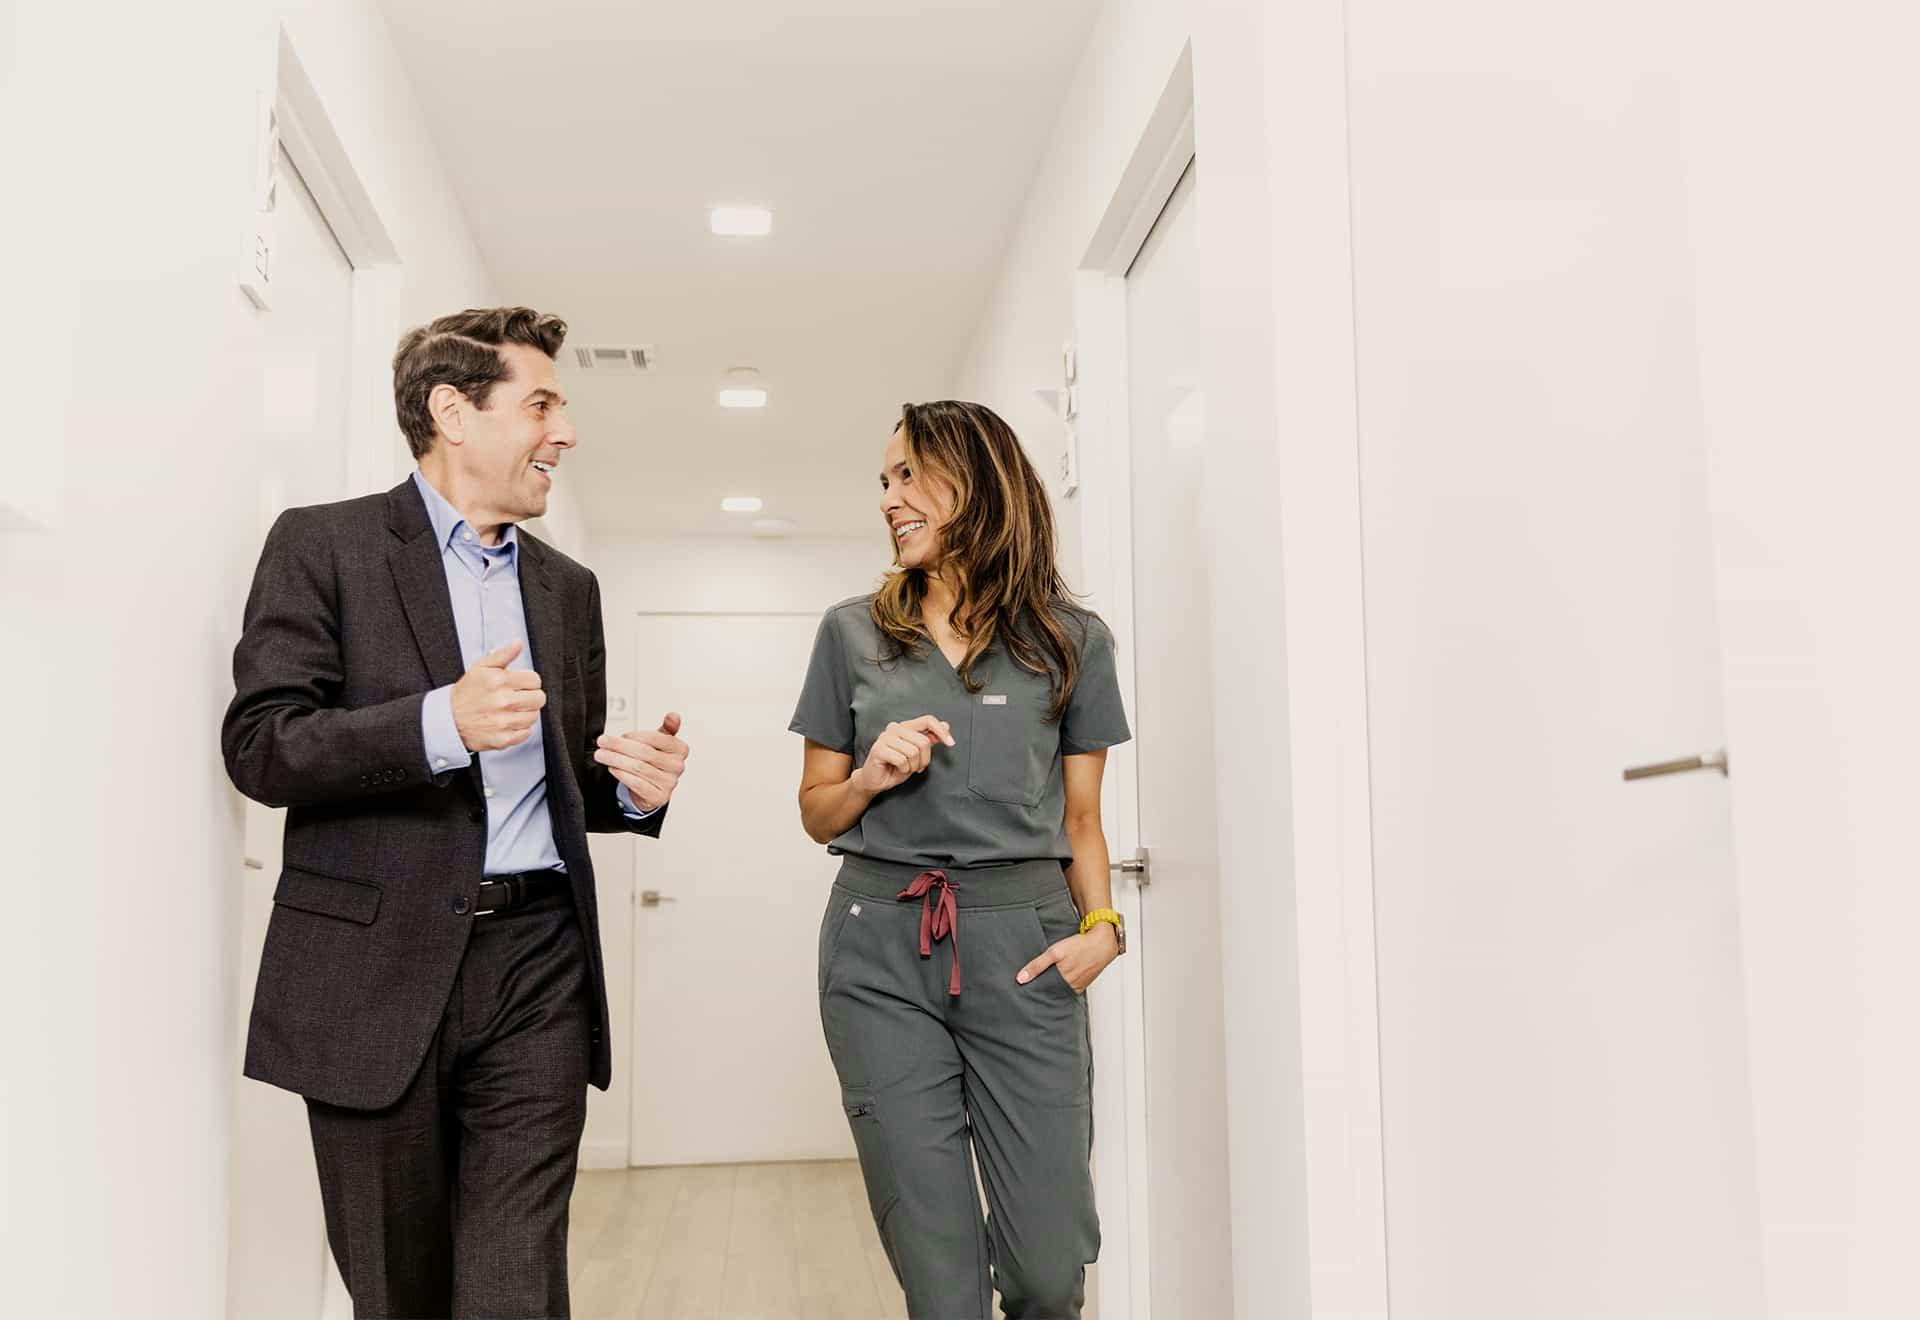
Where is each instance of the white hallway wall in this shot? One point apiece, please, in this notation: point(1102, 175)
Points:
point(129, 140)
point(1806, 412)
point(1029, 314)
point(693, 575)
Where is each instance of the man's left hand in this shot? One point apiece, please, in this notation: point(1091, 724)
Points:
point(649, 764)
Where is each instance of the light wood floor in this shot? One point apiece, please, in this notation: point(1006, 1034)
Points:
point(729, 1242)
point(734, 1242)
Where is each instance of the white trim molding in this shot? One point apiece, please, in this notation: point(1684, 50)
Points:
point(375, 453)
point(1310, 1231)
point(1159, 160)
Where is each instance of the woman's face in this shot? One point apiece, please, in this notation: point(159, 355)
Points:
point(915, 505)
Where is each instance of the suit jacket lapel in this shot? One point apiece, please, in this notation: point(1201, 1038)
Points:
point(546, 634)
point(422, 580)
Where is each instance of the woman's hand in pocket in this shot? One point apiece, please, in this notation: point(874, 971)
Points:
point(1078, 958)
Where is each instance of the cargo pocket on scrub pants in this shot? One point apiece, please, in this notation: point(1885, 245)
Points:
point(876, 1164)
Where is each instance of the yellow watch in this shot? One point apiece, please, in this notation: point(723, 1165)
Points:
point(1111, 918)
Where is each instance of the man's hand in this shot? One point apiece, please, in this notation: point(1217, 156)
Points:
point(649, 764)
point(495, 707)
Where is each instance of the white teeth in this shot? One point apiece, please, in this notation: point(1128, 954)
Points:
point(542, 467)
point(904, 528)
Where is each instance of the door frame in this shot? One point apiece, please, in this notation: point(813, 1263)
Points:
point(374, 456)
point(1103, 441)
point(1299, 961)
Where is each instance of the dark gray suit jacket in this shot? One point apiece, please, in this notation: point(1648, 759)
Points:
point(348, 627)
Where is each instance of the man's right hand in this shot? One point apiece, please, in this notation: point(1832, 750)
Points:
point(495, 707)
point(901, 751)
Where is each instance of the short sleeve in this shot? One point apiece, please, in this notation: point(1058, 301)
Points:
point(825, 711)
point(1094, 717)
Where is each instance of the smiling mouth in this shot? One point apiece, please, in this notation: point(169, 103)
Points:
point(906, 529)
point(544, 469)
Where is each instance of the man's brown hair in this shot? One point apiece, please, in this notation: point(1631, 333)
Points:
point(462, 350)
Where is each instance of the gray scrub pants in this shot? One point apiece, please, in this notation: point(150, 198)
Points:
point(931, 1079)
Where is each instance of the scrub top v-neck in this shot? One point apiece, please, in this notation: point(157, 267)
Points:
point(996, 798)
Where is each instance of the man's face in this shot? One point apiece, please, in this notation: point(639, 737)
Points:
point(507, 450)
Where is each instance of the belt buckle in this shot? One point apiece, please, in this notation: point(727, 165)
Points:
point(508, 883)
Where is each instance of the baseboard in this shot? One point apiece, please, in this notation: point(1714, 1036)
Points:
point(603, 1155)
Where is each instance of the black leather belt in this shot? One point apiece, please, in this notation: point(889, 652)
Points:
point(503, 893)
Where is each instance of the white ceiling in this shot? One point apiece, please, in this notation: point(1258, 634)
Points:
point(895, 141)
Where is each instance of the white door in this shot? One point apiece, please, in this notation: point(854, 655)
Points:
point(1565, 1088)
point(1808, 345)
point(1178, 940)
point(728, 1063)
point(277, 1260)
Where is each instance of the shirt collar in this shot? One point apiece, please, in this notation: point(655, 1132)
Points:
point(449, 527)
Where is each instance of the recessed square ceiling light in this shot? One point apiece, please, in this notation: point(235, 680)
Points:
point(743, 398)
point(742, 504)
point(741, 221)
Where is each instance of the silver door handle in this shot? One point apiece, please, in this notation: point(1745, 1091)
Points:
point(1135, 865)
point(654, 898)
point(1715, 760)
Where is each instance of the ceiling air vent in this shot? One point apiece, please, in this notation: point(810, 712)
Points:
point(612, 361)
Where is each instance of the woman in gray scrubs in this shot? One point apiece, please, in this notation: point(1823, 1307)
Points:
point(957, 722)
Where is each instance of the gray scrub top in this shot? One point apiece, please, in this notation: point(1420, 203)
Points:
point(998, 796)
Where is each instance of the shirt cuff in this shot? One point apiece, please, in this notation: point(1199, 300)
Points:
point(628, 805)
point(445, 752)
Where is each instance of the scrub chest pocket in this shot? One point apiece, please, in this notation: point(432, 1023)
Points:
point(1011, 752)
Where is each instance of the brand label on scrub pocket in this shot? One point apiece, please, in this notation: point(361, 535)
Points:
point(993, 701)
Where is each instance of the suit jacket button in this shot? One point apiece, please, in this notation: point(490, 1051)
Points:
point(460, 905)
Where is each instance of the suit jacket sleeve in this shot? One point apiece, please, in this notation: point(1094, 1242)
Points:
point(597, 784)
point(286, 739)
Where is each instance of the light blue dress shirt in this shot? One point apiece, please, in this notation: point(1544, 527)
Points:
point(484, 583)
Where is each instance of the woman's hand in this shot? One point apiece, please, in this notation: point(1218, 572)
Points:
point(1080, 958)
point(900, 752)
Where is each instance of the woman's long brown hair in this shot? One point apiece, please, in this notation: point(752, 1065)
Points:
point(997, 548)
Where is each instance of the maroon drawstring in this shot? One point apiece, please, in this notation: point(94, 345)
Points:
point(939, 918)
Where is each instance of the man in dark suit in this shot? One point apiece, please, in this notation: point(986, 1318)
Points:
point(423, 685)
